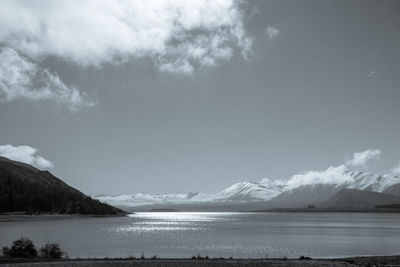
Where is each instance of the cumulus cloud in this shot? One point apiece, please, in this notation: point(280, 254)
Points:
point(179, 35)
point(337, 174)
point(272, 32)
point(22, 79)
point(332, 175)
point(25, 154)
point(360, 159)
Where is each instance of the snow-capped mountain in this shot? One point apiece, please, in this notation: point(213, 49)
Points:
point(371, 182)
point(250, 191)
point(277, 193)
point(147, 199)
point(318, 193)
point(239, 192)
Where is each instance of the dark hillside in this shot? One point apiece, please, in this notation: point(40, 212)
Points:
point(25, 188)
point(352, 198)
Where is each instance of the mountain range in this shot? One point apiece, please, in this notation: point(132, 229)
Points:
point(268, 193)
point(239, 192)
point(26, 188)
point(316, 194)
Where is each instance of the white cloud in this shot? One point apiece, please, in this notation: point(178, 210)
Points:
point(179, 35)
point(332, 175)
point(372, 74)
point(338, 174)
point(360, 159)
point(22, 79)
point(25, 154)
point(396, 169)
point(272, 32)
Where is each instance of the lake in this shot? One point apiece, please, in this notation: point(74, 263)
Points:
point(215, 234)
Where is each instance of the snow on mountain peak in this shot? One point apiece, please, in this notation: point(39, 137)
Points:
point(266, 189)
point(250, 191)
point(371, 182)
point(242, 192)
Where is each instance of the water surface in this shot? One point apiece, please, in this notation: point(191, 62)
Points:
point(215, 234)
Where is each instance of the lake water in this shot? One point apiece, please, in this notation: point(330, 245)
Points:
point(185, 234)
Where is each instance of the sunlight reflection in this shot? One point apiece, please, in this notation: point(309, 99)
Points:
point(183, 216)
point(126, 229)
point(171, 221)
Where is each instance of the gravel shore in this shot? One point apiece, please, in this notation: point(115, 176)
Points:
point(356, 261)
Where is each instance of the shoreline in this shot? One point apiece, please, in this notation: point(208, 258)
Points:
point(159, 262)
point(23, 216)
point(14, 217)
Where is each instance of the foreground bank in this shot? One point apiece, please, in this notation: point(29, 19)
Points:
point(356, 261)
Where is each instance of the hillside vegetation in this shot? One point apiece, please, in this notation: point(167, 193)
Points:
point(24, 188)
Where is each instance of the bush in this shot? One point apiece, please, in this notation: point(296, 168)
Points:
point(51, 250)
point(21, 248)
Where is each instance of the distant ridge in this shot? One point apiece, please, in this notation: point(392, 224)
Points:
point(266, 194)
point(353, 198)
point(238, 192)
point(316, 194)
point(24, 188)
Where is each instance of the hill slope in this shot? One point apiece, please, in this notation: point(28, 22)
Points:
point(303, 195)
point(25, 188)
point(352, 198)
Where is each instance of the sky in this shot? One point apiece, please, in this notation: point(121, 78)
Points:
point(119, 97)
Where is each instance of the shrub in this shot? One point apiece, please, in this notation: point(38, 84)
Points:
point(21, 248)
point(51, 250)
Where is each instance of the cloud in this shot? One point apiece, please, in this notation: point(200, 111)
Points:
point(22, 79)
point(179, 35)
point(25, 154)
point(372, 74)
point(360, 159)
point(337, 174)
point(332, 175)
point(272, 32)
point(396, 169)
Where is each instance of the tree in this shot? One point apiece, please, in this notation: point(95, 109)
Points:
point(51, 250)
point(21, 248)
